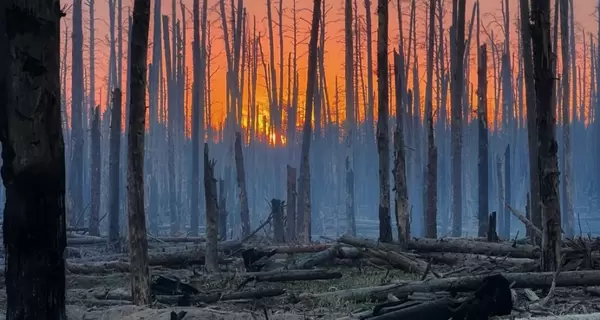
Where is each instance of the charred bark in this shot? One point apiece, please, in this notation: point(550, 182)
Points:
point(546, 140)
point(431, 168)
point(291, 203)
point(483, 161)
point(114, 172)
point(399, 171)
point(96, 173)
point(138, 243)
point(383, 139)
point(210, 196)
point(33, 157)
point(241, 182)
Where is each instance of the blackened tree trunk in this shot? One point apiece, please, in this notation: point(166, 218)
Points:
point(431, 169)
point(383, 139)
point(400, 186)
point(138, 243)
point(76, 163)
point(483, 163)
point(349, 120)
point(210, 195)
point(33, 157)
point(114, 171)
point(241, 182)
point(291, 204)
point(197, 114)
point(458, 74)
point(96, 173)
point(530, 100)
point(543, 59)
point(304, 213)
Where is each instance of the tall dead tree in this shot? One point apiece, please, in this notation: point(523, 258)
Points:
point(483, 163)
point(530, 101)
point(383, 139)
point(431, 169)
point(457, 87)
point(349, 119)
point(304, 212)
point(76, 163)
point(210, 195)
point(138, 243)
point(567, 191)
point(113, 171)
point(33, 160)
point(399, 171)
point(155, 80)
point(96, 173)
point(370, 99)
point(241, 182)
point(546, 127)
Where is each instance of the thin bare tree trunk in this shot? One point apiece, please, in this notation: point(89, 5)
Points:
point(349, 121)
point(138, 243)
point(210, 194)
point(304, 211)
point(96, 173)
point(33, 173)
point(399, 171)
point(431, 170)
point(483, 162)
point(76, 164)
point(241, 182)
point(114, 172)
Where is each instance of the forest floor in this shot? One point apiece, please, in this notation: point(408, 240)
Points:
point(346, 279)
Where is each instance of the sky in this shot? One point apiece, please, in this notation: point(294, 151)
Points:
point(584, 10)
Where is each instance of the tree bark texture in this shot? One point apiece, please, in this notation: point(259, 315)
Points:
point(400, 186)
point(114, 171)
point(430, 195)
point(210, 197)
point(546, 127)
point(291, 204)
point(33, 157)
point(383, 139)
point(483, 156)
point(241, 182)
point(138, 243)
point(96, 174)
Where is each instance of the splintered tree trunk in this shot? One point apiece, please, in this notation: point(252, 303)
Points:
point(96, 173)
point(210, 196)
point(241, 182)
point(304, 213)
point(530, 96)
point(138, 243)
point(401, 195)
point(567, 169)
point(33, 173)
point(291, 203)
point(349, 122)
point(114, 171)
point(546, 128)
point(383, 139)
point(431, 169)
point(483, 162)
point(458, 74)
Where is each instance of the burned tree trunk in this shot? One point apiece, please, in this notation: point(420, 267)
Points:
point(530, 100)
point(33, 160)
point(76, 163)
point(458, 74)
point(399, 171)
point(291, 203)
point(304, 212)
point(567, 169)
point(431, 169)
point(349, 120)
point(114, 171)
point(383, 139)
point(197, 114)
point(483, 163)
point(96, 173)
point(138, 243)
point(546, 128)
point(241, 182)
point(210, 197)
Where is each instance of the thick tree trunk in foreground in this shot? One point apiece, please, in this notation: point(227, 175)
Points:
point(33, 156)
point(304, 213)
point(546, 127)
point(96, 173)
point(138, 243)
point(400, 186)
point(210, 197)
point(431, 168)
point(383, 139)
point(349, 120)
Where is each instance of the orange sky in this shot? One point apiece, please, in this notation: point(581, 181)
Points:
point(334, 46)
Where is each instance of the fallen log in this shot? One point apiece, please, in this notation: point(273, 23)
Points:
point(530, 280)
point(591, 316)
point(183, 300)
point(319, 258)
point(476, 247)
point(291, 275)
point(91, 240)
